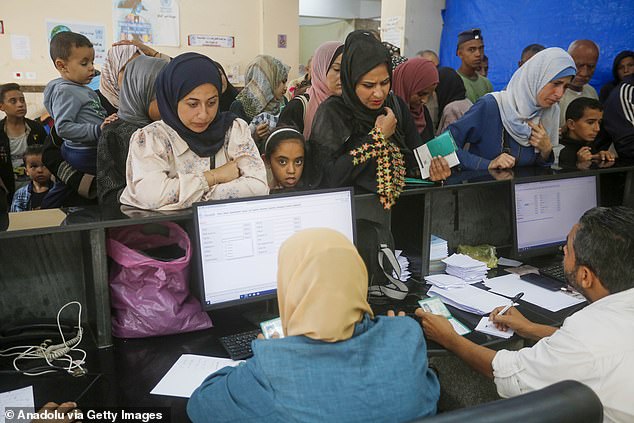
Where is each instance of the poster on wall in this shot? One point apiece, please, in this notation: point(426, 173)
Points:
point(153, 22)
point(95, 33)
point(392, 30)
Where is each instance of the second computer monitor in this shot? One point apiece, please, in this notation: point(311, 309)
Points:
point(238, 240)
point(545, 211)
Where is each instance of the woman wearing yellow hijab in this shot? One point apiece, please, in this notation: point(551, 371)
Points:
point(337, 362)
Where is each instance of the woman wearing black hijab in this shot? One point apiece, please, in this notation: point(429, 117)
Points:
point(364, 138)
point(452, 98)
point(195, 153)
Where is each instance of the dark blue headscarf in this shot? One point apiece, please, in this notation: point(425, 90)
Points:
point(182, 75)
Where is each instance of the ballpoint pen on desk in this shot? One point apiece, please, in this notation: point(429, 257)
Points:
point(513, 300)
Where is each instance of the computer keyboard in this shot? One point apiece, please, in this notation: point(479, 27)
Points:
point(555, 271)
point(239, 345)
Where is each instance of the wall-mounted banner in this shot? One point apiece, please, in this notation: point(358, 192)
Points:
point(153, 22)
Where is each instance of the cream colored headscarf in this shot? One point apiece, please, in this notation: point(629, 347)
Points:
point(116, 58)
point(322, 285)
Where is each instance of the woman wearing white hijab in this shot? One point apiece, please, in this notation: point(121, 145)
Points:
point(517, 126)
point(337, 361)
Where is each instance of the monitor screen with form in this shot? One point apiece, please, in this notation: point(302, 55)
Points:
point(238, 240)
point(545, 211)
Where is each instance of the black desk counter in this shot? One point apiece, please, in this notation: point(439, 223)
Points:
point(50, 257)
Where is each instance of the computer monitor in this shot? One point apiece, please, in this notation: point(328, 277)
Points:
point(238, 240)
point(545, 211)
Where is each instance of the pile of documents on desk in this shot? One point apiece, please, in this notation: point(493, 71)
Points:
point(466, 268)
point(404, 263)
point(458, 293)
point(469, 298)
point(438, 250)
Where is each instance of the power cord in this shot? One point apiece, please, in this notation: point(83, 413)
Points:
point(53, 354)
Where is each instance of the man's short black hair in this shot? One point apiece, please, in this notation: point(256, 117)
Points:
point(578, 106)
point(63, 43)
point(532, 48)
point(5, 88)
point(604, 243)
point(34, 150)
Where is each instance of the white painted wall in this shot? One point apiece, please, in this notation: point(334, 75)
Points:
point(345, 9)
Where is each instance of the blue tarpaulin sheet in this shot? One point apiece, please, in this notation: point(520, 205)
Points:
point(509, 26)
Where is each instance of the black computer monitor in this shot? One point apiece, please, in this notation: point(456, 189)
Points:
point(545, 211)
point(238, 240)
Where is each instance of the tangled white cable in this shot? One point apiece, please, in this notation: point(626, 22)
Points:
point(53, 353)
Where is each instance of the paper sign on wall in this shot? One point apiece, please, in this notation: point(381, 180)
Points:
point(20, 47)
point(211, 40)
point(153, 22)
point(95, 33)
point(392, 30)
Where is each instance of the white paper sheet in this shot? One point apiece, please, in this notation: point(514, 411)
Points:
point(469, 298)
point(487, 326)
point(511, 285)
point(19, 398)
point(503, 261)
point(188, 373)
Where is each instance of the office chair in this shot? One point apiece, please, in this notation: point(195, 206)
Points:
point(563, 402)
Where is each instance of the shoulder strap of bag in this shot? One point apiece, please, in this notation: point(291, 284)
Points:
point(394, 289)
point(304, 101)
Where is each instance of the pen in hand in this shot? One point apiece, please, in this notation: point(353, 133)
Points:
point(513, 301)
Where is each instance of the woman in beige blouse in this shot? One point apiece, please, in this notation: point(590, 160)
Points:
point(195, 153)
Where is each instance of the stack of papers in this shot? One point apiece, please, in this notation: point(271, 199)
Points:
point(438, 249)
point(466, 268)
point(511, 285)
point(445, 281)
point(487, 326)
point(404, 263)
point(469, 298)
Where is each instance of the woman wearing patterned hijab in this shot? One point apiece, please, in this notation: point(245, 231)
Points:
point(195, 153)
point(116, 59)
point(265, 85)
point(520, 125)
point(334, 354)
point(263, 93)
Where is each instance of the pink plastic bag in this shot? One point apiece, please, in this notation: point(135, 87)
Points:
point(150, 297)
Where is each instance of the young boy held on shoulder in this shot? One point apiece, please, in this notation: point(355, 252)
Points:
point(583, 123)
point(16, 133)
point(78, 114)
point(30, 196)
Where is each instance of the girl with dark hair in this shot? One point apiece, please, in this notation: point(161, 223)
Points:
point(284, 158)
